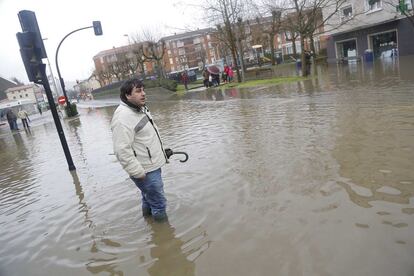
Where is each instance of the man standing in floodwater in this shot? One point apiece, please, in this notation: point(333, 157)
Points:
point(138, 147)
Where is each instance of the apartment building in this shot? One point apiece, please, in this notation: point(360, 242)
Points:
point(369, 24)
point(4, 85)
point(284, 41)
point(257, 40)
point(119, 62)
point(190, 49)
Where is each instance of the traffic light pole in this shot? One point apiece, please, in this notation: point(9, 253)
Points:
point(33, 51)
point(62, 83)
point(45, 83)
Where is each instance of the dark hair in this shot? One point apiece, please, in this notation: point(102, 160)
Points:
point(128, 86)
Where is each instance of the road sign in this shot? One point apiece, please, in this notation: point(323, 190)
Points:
point(62, 100)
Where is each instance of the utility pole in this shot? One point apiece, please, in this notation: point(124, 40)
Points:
point(129, 56)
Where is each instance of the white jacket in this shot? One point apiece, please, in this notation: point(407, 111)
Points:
point(136, 141)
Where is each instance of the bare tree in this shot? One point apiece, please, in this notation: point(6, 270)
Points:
point(114, 70)
point(155, 51)
point(225, 15)
point(269, 16)
point(140, 53)
point(102, 76)
point(307, 19)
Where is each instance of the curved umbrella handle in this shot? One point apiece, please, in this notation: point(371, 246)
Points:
point(170, 152)
point(185, 155)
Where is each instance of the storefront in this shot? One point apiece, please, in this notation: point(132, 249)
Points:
point(385, 40)
point(384, 44)
point(346, 49)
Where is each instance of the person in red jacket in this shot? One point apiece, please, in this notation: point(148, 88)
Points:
point(230, 74)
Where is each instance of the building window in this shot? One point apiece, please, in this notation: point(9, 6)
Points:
point(14, 97)
point(374, 5)
point(171, 61)
point(346, 13)
point(21, 96)
point(27, 95)
point(288, 35)
point(409, 4)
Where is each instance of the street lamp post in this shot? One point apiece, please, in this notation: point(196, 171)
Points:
point(129, 41)
point(98, 31)
point(51, 73)
point(131, 73)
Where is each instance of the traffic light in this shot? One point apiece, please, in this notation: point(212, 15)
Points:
point(31, 56)
point(28, 22)
point(97, 28)
point(31, 45)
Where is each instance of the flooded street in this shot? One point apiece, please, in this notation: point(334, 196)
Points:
point(307, 178)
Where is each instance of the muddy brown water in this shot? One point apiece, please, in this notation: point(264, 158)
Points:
point(308, 178)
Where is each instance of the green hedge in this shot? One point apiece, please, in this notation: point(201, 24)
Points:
point(165, 83)
point(72, 110)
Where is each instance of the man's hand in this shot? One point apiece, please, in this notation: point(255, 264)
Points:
point(140, 176)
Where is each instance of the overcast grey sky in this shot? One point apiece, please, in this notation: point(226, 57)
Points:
point(56, 18)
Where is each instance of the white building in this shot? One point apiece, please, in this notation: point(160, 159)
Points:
point(31, 92)
point(374, 25)
point(85, 87)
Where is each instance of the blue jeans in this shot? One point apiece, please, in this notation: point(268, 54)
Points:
point(152, 191)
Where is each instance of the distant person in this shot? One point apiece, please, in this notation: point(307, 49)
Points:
point(39, 108)
point(394, 52)
point(230, 74)
point(206, 76)
point(139, 149)
point(215, 78)
point(22, 114)
point(226, 73)
point(12, 120)
point(184, 79)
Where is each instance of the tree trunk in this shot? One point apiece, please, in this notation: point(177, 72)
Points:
point(312, 44)
point(272, 49)
point(234, 56)
point(305, 71)
point(295, 51)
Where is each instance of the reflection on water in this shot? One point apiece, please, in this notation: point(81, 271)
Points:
point(167, 253)
point(278, 179)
